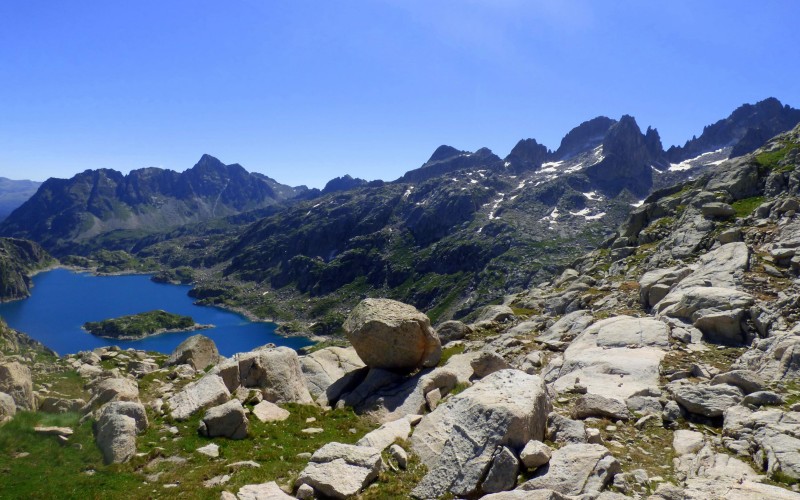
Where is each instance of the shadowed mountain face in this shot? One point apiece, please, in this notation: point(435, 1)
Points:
point(15, 193)
point(18, 258)
point(745, 130)
point(95, 202)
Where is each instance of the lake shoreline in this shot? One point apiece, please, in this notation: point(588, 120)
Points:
point(160, 331)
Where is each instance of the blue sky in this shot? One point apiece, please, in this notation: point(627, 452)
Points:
point(305, 91)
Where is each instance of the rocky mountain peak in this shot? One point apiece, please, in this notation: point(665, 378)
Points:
point(748, 127)
point(584, 137)
point(449, 159)
point(343, 183)
point(444, 152)
point(526, 154)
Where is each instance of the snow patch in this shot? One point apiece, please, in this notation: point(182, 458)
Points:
point(592, 195)
point(497, 203)
point(408, 192)
point(693, 162)
point(637, 204)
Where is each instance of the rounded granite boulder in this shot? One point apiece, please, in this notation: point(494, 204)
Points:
point(391, 335)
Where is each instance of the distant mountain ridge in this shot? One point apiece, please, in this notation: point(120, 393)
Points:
point(149, 199)
point(14, 193)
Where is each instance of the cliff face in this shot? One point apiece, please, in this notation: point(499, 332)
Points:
point(18, 258)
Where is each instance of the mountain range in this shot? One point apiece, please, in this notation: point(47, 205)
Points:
point(462, 230)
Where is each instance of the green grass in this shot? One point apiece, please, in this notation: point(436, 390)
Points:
point(745, 207)
point(449, 352)
point(52, 470)
point(774, 159)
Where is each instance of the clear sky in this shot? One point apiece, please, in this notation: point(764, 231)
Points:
point(305, 91)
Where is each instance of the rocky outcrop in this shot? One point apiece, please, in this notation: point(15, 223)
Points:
point(207, 392)
point(198, 351)
point(331, 371)
point(15, 380)
point(277, 373)
point(706, 400)
point(458, 440)
point(391, 335)
point(576, 469)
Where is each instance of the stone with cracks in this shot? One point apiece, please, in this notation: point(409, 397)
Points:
point(198, 351)
point(277, 372)
point(132, 409)
point(207, 392)
point(576, 469)
point(226, 420)
point(457, 441)
point(331, 371)
point(706, 400)
point(746, 380)
point(615, 366)
point(15, 380)
point(502, 475)
point(686, 442)
point(341, 470)
point(561, 429)
point(391, 335)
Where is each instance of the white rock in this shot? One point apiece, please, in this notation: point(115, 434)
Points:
point(277, 373)
point(386, 434)
point(210, 450)
point(341, 470)
point(686, 442)
point(270, 412)
point(535, 454)
point(576, 469)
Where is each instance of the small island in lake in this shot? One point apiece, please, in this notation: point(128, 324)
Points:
point(139, 326)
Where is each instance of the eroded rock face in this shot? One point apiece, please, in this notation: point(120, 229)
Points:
point(772, 438)
point(15, 380)
point(198, 351)
point(391, 335)
point(331, 371)
point(277, 372)
point(576, 469)
point(458, 440)
point(341, 470)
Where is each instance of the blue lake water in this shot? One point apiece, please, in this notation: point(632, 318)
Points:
point(62, 301)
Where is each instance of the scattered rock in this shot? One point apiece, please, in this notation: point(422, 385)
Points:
point(686, 442)
point(386, 434)
point(399, 455)
point(762, 398)
point(488, 362)
point(746, 380)
point(226, 420)
point(592, 405)
point(209, 450)
point(706, 400)
point(263, 491)
point(270, 412)
point(450, 331)
point(497, 314)
point(535, 454)
point(341, 470)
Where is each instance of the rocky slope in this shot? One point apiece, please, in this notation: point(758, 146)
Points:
point(66, 212)
point(18, 259)
point(14, 193)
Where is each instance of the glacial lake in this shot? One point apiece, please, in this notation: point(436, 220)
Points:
point(62, 301)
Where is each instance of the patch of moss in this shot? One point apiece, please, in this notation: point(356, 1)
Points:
point(745, 207)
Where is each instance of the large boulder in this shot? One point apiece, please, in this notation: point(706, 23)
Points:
point(593, 405)
point(204, 393)
point(277, 372)
point(458, 440)
point(331, 371)
point(715, 311)
point(226, 420)
point(130, 409)
point(198, 351)
point(341, 470)
point(15, 380)
point(746, 380)
point(116, 437)
point(576, 469)
point(391, 335)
